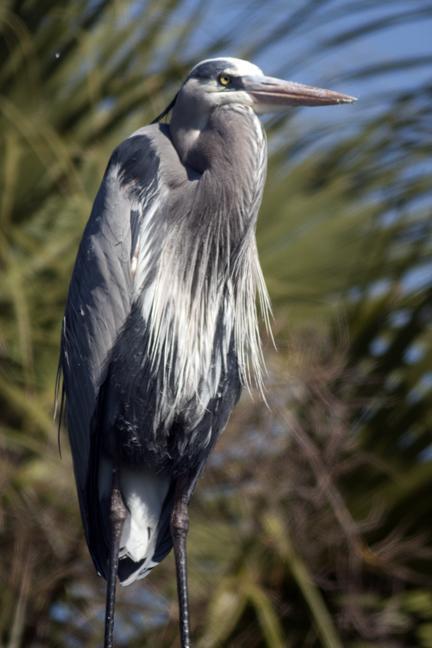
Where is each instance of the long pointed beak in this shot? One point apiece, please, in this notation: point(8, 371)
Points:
point(270, 94)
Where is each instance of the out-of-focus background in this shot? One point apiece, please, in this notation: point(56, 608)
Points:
point(312, 524)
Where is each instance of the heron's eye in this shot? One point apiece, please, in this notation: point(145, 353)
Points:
point(224, 79)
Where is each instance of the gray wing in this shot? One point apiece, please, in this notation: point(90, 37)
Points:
point(101, 290)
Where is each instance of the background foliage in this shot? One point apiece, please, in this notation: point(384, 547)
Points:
point(311, 526)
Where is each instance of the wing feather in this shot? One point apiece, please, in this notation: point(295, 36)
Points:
point(100, 296)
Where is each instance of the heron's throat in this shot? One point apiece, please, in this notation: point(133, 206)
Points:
point(229, 141)
point(187, 124)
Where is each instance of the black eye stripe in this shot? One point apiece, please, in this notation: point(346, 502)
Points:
point(235, 81)
point(210, 71)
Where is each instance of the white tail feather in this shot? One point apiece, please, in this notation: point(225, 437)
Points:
point(143, 492)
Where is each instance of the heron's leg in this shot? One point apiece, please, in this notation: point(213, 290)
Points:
point(118, 513)
point(179, 530)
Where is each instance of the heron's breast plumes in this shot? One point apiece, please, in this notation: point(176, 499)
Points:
point(197, 277)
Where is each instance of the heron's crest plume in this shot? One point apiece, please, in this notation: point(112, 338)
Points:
point(165, 111)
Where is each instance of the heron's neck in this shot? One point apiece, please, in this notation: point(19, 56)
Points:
point(230, 154)
point(208, 274)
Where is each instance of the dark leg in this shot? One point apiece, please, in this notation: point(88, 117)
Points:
point(118, 514)
point(179, 529)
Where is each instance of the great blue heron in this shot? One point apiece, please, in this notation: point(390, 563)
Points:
point(161, 331)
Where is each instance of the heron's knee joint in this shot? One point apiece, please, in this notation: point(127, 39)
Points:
point(180, 522)
point(118, 512)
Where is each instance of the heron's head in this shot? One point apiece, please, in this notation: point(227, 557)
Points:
point(228, 81)
point(220, 81)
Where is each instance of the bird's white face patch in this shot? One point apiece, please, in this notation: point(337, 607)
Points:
point(204, 83)
point(233, 66)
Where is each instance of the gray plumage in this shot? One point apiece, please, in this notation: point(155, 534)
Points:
point(161, 325)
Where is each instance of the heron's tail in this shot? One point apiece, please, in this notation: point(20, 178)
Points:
point(146, 537)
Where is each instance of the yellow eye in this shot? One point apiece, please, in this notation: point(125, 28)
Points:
point(224, 79)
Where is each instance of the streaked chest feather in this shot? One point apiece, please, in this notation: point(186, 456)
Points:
point(196, 275)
